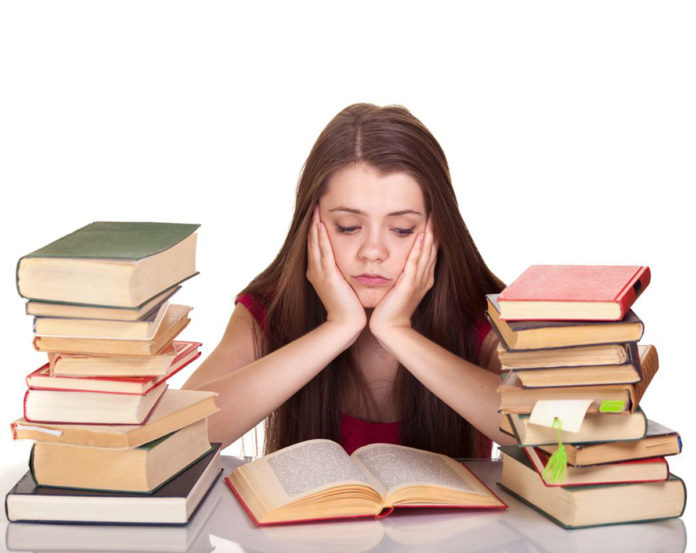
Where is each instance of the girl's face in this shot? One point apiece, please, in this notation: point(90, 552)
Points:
point(372, 222)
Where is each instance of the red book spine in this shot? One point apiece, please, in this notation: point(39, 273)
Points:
point(633, 289)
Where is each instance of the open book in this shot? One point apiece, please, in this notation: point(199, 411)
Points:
point(317, 479)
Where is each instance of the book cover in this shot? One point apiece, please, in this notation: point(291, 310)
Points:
point(116, 240)
point(591, 292)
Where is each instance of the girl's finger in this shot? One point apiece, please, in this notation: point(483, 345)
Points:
point(313, 253)
point(411, 266)
point(325, 247)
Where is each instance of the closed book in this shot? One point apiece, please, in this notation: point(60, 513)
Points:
point(657, 442)
point(110, 264)
point(573, 292)
point(654, 469)
point(111, 538)
point(579, 356)
point(175, 320)
point(141, 469)
point(63, 406)
point(176, 355)
point(176, 409)
point(173, 503)
point(514, 398)
point(81, 311)
point(586, 506)
point(41, 379)
point(542, 334)
point(595, 427)
point(628, 372)
point(143, 329)
point(317, 479)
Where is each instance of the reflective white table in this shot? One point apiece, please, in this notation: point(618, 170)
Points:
point(221, 525)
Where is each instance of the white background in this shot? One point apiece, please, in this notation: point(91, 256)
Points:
point(569, 128)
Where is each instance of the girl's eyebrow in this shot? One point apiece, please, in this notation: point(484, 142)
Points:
point(392, 214)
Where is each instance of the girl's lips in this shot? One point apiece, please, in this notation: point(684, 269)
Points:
point(372, 280)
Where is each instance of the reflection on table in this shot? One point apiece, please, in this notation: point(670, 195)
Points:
point(222, 525)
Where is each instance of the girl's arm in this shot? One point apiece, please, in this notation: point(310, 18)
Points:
point(467, 388)
point(250, 388)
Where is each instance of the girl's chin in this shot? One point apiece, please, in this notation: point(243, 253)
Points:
point(371, 297)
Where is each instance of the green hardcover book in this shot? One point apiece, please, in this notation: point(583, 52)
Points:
point(595, 505)
point(113, 264)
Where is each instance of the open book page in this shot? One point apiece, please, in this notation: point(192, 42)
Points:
point(396, 466)
point(302, 469)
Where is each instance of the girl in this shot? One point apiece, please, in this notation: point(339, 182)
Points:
point(368, 325)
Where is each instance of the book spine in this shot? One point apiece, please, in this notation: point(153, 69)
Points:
point(630, 293)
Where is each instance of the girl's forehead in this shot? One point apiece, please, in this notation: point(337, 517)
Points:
point(360, 187)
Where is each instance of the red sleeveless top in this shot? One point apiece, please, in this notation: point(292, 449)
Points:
point(354, 432)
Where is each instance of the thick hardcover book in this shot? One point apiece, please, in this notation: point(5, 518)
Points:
point(63, 406)
point(79, 311)
point(173, 503)
point(176, 409)
point(575, 292)
point(596, 427)
point(545, 334)
point(654, 469)
point(109, 264)
point(316, 479)
point(141, 469)
point(586, 506)
point(658, 441)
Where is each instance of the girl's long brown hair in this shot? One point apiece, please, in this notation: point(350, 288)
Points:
point(388, 139)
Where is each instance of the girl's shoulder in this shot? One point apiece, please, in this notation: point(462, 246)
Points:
point(255, 305)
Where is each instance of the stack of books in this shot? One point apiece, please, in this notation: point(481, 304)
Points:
point(112, 442)
point(574, 376)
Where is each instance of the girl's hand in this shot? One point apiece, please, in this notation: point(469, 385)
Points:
point(340, 300)
point(397, 306)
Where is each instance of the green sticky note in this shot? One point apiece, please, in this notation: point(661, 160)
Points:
point(611, 406)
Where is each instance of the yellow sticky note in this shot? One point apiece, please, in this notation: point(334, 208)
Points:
point(571, 413)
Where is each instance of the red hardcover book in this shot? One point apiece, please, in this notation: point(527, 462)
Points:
point(573, 292)
point(654, 469)
point(318, 480)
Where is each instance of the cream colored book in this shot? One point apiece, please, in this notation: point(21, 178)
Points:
point(317, 479)
point(144, 329)
point(176, 409)
point(175, 320)
point(141, 469)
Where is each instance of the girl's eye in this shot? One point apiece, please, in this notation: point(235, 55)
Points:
point(404, 231)
point(347, 230)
